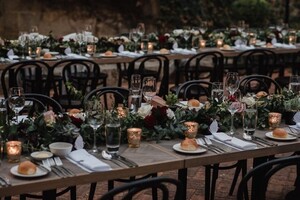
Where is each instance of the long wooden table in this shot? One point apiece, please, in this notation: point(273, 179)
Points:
point(151, 157)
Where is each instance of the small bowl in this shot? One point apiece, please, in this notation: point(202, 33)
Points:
point(41, 155)
point(61, 149)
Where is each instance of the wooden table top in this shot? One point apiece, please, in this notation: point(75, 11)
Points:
point(150, 156)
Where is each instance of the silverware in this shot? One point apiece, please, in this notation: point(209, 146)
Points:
point(201, 142)
point(50, 163)
point(264, 141)
point(59, 164)
point(39, 165)
point(128, 160)
point(209, 143)
point(107, 156)
point(4, 181)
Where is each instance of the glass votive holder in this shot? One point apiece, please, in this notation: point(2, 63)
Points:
point(274, 120)
point(192, 129)
point(38, 52)
point(13, 151)
point(134, 137)
point(219, 43)
point(202, 43)
point(150, 47)
point(91, 49)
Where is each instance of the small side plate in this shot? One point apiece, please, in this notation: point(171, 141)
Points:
point(177, 148)
point(41, 155)
point(289, 137)
point(38, 173)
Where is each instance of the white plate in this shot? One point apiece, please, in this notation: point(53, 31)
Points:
point(40, 155)
point(183, 104)
point(158, 52)
point(223, 49)
point(289, 137)
point(39, 172)
point(53, 58)
point(177, 148)
point(108, 56)
point(54, 53)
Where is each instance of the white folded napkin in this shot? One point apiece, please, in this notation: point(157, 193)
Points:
point(73, 55)
point(285, 46)
point(130, 54)
point(243, 47)
point(241, 144)
point(184, 51)
point(11, 55)
point(82, 158)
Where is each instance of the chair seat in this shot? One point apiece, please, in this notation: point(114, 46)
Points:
point(283, 81)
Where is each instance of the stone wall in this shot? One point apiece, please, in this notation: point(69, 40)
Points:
point(107, 17)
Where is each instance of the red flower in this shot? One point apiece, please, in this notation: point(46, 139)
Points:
point(162, 39)
point(150, 121)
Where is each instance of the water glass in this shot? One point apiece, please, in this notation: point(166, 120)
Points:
point(112, 132)
point(134, 100)
point(294, 84)
point(249, 121)
point(217, 92)
point(149, 88)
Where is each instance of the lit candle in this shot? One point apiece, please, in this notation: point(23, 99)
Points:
point(202, 43)
point(134, 137)
point(150, 47)
point(90, 49)
point(38, 52)
point(274, 120)
point(292, 39)
point(13, 150)
point(192, 129)
point(219, 43)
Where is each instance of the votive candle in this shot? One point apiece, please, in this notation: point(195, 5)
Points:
point(219, 43)
point(150, 47)
point(274, 120)
point(134, 137)
point(202, 43)
point(192, 129)
point(13, 150)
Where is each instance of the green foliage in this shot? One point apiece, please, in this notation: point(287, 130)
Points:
point(171, 99)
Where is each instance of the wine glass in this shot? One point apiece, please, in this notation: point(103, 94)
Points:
point(203, 28)
point(232, 82)
point(22, 40)
point(141, 29)
point(233, 105)
point(134, 35)
point(95, 118)
point(80, 40)
point(16, 100)
point(149, 88)
point(186, 36)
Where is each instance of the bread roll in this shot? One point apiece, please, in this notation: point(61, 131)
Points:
point(157, 101)
point(27, 168)
point(261, 94)
point(226, 46)
point(108, 53)
point(164, 51)
point(193, 103)
point(74, 111)
point(280, 133)
point(189, 144)
point(47, 55)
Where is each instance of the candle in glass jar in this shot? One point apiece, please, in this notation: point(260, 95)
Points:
point(274, 120)
point(202, 43)
point(13, 150)
point(150, 47)
point(38, 52)
point(219, 43)
point(192, 129)
point(134, 137)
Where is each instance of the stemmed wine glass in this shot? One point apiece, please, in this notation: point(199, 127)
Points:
point(95, 118)
point(80, 39)
point(203, 28)
point(149, 88)
point(22, 40)
point(141, 29)
point(232, 82)
point(186, 36)
point(233, 104)
point(16, 100)
point(134, 35)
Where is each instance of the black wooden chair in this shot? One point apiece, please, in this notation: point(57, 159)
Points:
point(162, 184)
point(34, 76)
point(194, 89)
point(261, 175)
point(79, 77)
point(205, 65)
point(255, 83)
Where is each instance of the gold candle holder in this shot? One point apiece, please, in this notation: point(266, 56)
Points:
point(134, 137)
point(13, 150)
point(192, 129)
point(292, 39)
point(91, 49)
point(219, 43)
point(274, 120)
point(202, 43)
point(150, 47)
point(38, 52)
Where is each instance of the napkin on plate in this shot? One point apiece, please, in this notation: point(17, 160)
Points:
point(130, 54)
point(233, 141)
point(83, 158)
point(183, 51)
point(243, 47)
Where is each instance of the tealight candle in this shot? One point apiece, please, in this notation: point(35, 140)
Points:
point(38, 52)
point(192, 129)
point(292, 39)
point(13, 150)
point(219, 43)
point(202, 43)
point(274, 120)
point(90, 48)
point(150, 47)
point(134, 137)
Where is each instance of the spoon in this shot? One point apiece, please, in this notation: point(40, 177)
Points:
point(109, 157)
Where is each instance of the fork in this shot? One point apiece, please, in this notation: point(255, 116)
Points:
point(4, 181)
point(201, 142)
point(59, 163)
point(50, 163)
point(208, 142)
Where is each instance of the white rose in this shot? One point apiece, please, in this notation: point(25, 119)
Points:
point(144, 111)
point(125, 39)
point(177, 32)
point(49, 118)
point(167, 35)
point(170, 113)
point(250, 101)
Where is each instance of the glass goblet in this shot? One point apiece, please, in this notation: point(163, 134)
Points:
point(22, 40)
point(134, 35)
point(95, 118)
point(233, 105)
point(80, 40)
point(232, 82)
point(149, 88)
point(16, 100)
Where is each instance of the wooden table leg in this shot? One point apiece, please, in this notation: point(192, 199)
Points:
point(182, 176)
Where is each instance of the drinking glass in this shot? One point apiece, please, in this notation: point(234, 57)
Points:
point(186, 36)
point(134, 35)
point(233, 105)
point(217, 91)
point(22, 40)
point(249, 121)
point(135, 93)
point(294, 84)
point(149, 88)
point(80, 40)
point(95, 118)
point(232, 82)
point(16, 101)
point(112, 132)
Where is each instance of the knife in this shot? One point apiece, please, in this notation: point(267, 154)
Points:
point(129, 161)
point(264, 141)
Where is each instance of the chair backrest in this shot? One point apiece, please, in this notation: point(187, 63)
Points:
point(255, 83)
point(160, 183)
point(194, 89)
point(34, 76)
point(151, 65)
point(81, 74)
point(255, 61)
point(111, 96)
point(211, 59)
point(263, 173)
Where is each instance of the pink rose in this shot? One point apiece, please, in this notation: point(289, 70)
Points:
point(49, 118)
